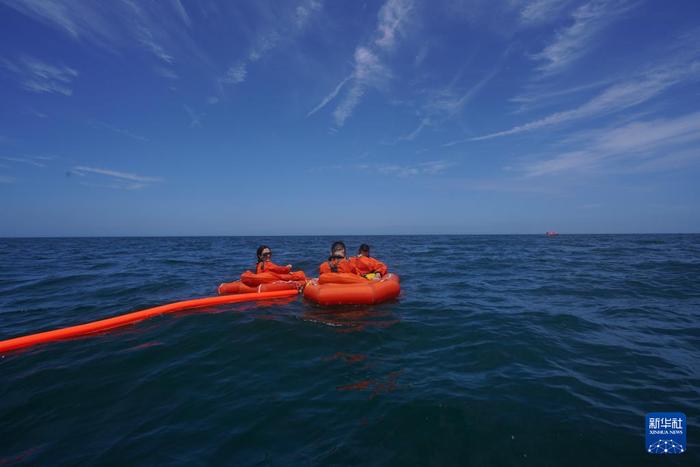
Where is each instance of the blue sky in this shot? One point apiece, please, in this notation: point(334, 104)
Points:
point(346, 117)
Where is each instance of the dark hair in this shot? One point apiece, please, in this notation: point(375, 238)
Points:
point(262, 248)
point(363, 247)
point(337, 246)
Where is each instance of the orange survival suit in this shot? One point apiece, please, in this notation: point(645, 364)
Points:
point(367, 265)
point(337, 264)
point(269, 266)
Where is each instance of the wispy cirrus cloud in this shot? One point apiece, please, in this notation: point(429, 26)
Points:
point(330, 96)
point(368, 67)
point(165, 72)
point(446, 103)
point(195, 118)
point(285, 27)
point(39, 162)
point(114, 179)
point(392, 22)
point(424, 123)
point(653, 144)
point(621, 95)
point(433, 167)
point(38, 76)
point(539, 11)
point(35, 161)
point(539, 96)
point(236, 73)
point(368, 70)
point(181, 12)
point(574, 41)
point(35, 113)
point(120, 131)
point(408, 170)
point(156, 27)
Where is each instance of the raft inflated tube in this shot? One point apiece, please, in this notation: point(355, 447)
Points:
point(348, 289)
point(238, 287)
point(252, 279)
point(129, 318)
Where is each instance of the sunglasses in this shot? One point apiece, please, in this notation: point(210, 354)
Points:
point(269, 253)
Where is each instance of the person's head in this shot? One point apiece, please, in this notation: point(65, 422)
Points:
point(338, 250)
point(363, 250)
point(264, 253)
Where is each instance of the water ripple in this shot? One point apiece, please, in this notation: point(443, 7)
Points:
point(501, 350)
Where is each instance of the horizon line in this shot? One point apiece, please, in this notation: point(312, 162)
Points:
point(30, 237)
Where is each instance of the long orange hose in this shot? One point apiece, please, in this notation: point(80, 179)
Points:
point(121, 320)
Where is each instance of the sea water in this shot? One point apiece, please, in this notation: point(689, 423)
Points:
point(501, 350)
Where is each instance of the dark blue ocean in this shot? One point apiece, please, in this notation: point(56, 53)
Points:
point(501, 350)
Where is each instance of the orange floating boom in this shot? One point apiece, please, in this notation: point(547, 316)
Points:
point(129, 318)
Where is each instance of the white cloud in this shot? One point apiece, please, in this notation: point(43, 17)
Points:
point(343, 111)
point(39, 161)
point(37, 76)
point(673, 161)
point(36, 113)
point(619, 96)
point(6, 179)
point(574, 41)
point(404, 171)
point(195, 118)
point(448, 103)
point(235, 74)
point(285, 26)
point(180, 10)
point(54, 12)
point(539, 96)
point(304, 12)
point(153, 26)
point(657, 143)
point(368, 69)
point(539, 11)
point(392, 21)
point(165, 72)
point(121, 131)
point(263, 45)
point(326, 100)
point(434, 167)
point(116, 179)
point(147, 40)
point(412, 135)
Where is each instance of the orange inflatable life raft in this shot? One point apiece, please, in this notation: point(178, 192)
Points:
point(349, 289)
point(264, 282)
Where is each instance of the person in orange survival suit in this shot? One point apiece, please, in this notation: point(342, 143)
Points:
point(366, 265)
point(265, 263)
point(337, 261)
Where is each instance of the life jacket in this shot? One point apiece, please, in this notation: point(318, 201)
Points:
point(338, 265)
point(368, 265)
point(269, 266)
